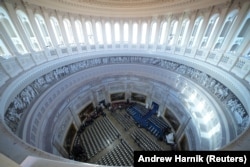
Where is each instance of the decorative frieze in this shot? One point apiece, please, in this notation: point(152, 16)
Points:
point(27, 96)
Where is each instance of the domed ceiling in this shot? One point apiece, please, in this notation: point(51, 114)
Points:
point(126, 8)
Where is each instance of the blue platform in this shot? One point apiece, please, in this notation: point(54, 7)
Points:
point(147, 119)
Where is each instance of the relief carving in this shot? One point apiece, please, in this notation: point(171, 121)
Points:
point(30, 92)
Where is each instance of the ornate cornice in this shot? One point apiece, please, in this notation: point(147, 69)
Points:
point(130, 8)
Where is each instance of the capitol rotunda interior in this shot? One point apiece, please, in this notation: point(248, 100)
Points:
point(88, 82)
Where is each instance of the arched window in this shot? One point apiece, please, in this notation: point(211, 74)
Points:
point(144, 33)
point(153, 33)
point(23, 19)
point(195, 31)
point(57, 31)
point(241, 34)
point(163, 33)
point(173, 29)
point(69, 32)
point(99, 32)
point(43, 30)
point(125, 32)
point(108, 33)
point(135, 33)
point(4, 52)
point(225, 28)
point(12, 33)
point(90, 34)
point(235, 46)
point(117, 32)
point(183, 33)
point(209, 30)
point(79, 31)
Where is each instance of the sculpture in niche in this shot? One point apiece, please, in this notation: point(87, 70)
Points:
point(24, 98)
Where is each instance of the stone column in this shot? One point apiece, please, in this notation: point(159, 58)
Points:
point(214, 34)
point(31, 17)
point(104, 33)
point(83, 21)
point(49, 27)
point(206, 16)
point(157, 33)
point(93, 22)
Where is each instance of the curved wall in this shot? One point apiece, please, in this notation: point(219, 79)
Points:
point(97, 72)
point(229, 69)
